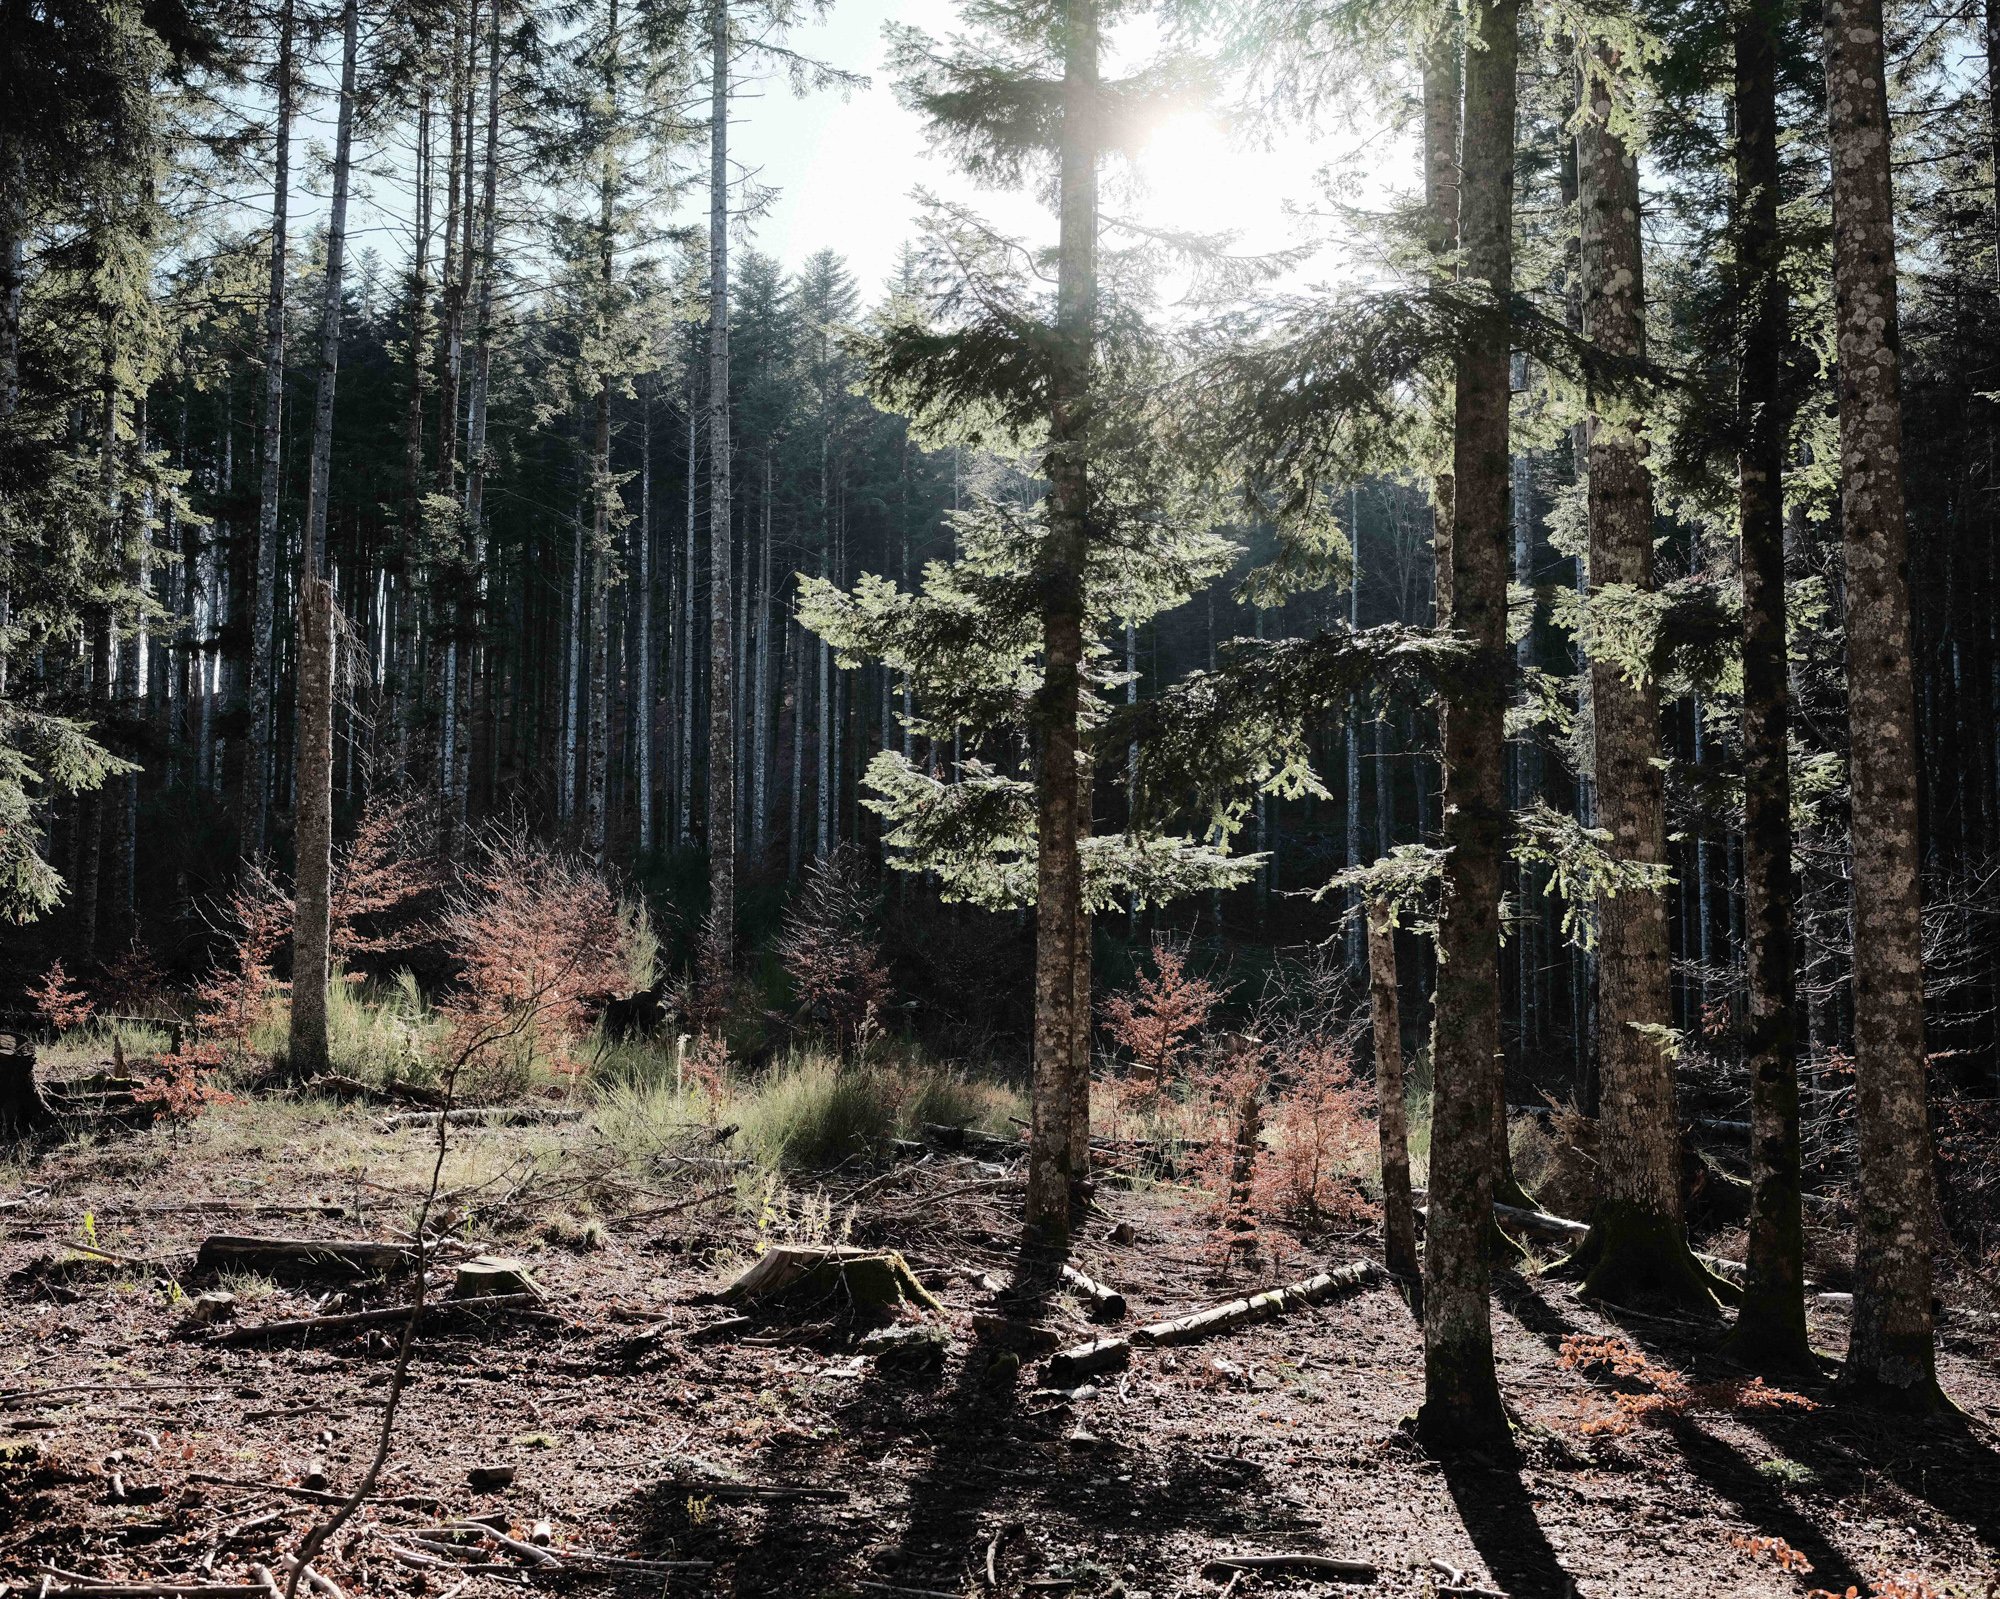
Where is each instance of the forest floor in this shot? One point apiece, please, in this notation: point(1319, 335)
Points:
point(1287, 1436)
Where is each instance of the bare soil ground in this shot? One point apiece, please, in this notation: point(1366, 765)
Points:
point(969, 1480)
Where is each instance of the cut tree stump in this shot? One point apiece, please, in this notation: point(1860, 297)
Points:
point(1106, 1304)
point(1267, 1306)
point(204, 1310)
point(302, 1256)
point(23, 1109)
point(872, 1280)
point(484, 1276)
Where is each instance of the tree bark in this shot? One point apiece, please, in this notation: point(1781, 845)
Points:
point(643, 646)
point(1891, 1350)
point(1462, 1398)
point(470, 620)
point(1392, 1120)
point(256, 799)
point(1637, 1246)
point(1443, 88)
point(1771, 1326)
point(721, 929)
point(1061, 819)
point(312, 772)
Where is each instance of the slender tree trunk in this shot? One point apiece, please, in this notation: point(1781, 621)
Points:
point(1771, 1327)
point(760, 809)
point(688, 674)
point(1392, 1119)
point(1891, 1350)
point(257, 765)
point(721, 931)
point(643, 647)
point(1462, 1398)
point(1061, 925)
point(470, 620)
point(605, 508)
point(1637, 1245)
point(1443, 88)
point(410, 577)
point(313, 752)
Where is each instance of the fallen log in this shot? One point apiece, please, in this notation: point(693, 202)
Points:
point(226, 1252)
point(695, 1488)
point(971, 1138)
point(484, 1116)
point(1068, 1366)
point(347, 1321)
point(1356, 1571)
point(1106, 1304)
point(155, 1590)
point(1272, 1303)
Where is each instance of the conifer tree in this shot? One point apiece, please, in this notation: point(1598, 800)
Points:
point(1891, 1351)
point(313, 773)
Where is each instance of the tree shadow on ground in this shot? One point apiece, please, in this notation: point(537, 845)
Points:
point(1499, 1516)
point(1945, 1461)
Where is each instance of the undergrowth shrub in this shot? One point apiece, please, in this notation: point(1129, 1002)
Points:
point(535, 936)
point(831, 955)
point(1658, 1394)
point(60, 1004)
point(1158, 1022)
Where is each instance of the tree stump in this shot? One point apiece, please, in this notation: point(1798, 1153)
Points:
point(23, 1110)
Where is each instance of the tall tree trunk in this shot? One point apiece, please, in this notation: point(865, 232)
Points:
point(1891, 1350)
point(1443, 89)
point(604, 492)
point(721, 930)
point(409, 575)
point(689, 583)
point(1637, 1246)
point(1062, 819)
point(469, 623)
point(643, 645)
point(312, 771)
point(257, 765)
point(1392, 1120)
point(1462, 1398)
point(760, 809)
point(1771, 1327)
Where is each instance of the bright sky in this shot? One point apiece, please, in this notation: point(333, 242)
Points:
point(846, 168)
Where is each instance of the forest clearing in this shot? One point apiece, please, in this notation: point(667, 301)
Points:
point(1027, 797)
point(634, 1415)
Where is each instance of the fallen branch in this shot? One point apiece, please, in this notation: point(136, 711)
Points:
point(1266, 1306)
point(1358, 1571)
point(1087, 1360)
point(485, 1116)
point(349, 1320)
point(1106, 1304)
point(226, 1252)
point(695, 1488)
point(317, 1496)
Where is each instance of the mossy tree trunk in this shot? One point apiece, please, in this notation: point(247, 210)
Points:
point(1771, 1326)
point(1637, 1246)
point(1461, 1395)
point(1891, 1350)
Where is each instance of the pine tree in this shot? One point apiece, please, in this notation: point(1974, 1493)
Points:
point(313, 751)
